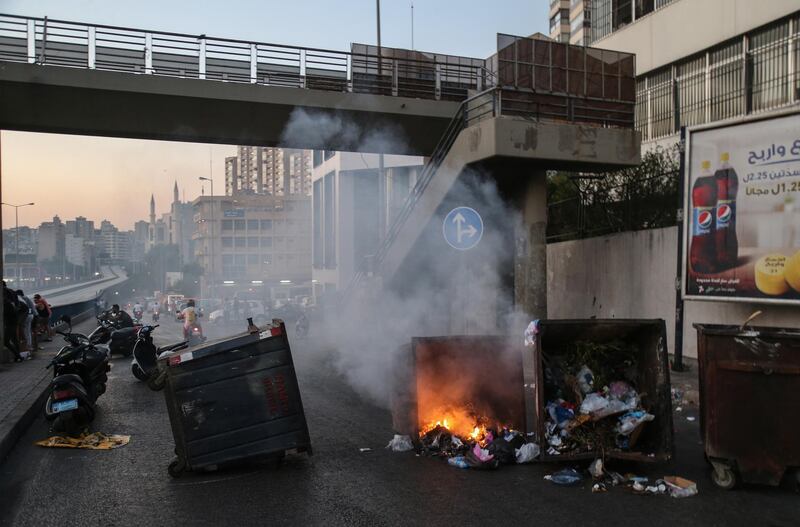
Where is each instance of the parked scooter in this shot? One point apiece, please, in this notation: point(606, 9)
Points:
point(120, 339)
point(145, 354)
point(79, 377)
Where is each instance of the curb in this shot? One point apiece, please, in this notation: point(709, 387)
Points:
point(22, 416)
point(16, 423)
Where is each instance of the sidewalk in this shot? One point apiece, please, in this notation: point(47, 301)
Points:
point(24, 384)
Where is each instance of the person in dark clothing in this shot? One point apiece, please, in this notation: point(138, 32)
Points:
point(10, 314)
point(120, 318)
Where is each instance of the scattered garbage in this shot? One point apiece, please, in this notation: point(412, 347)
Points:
point(527, 453)
point(690, 418)
point(566, 477)
point(458, 461)
point(93, 441)
point(599, 487)
point(596, 468)
point(400, 443)
point(593, 404)
point(680, 487)
point(483, 449)
point(365, 449)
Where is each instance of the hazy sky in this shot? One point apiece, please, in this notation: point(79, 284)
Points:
point(113, 178)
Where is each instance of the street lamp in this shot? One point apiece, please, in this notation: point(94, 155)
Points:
point(16, 235)
point(211, 237)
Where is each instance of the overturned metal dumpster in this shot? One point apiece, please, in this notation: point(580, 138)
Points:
point(234, 399)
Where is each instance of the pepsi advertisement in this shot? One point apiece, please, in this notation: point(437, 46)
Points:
point(742, 202)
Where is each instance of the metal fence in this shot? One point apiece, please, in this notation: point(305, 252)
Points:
point(601, 207)
point(136, 51)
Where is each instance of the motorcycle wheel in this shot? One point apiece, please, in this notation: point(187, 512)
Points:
point(138, 372)
point(69, 423)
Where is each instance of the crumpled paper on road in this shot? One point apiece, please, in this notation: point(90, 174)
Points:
point(93, 441)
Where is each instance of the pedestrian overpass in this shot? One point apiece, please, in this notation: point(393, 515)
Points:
point(535, 105)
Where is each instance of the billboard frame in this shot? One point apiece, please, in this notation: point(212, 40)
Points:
point(687, 206)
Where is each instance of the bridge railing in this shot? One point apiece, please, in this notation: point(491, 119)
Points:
point(110, 48)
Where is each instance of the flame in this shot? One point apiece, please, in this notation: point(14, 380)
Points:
point(460, 422)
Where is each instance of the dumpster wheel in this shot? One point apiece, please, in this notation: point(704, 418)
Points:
point(177, 467)
point(723, 475)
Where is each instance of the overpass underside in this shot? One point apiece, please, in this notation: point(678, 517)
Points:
point(114, 104)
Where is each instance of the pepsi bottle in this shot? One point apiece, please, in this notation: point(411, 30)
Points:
point(702, 250)
point(727, 243)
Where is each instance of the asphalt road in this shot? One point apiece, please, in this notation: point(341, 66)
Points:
point(339, 485)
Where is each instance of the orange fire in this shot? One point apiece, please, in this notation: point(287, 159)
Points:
point(459, 422)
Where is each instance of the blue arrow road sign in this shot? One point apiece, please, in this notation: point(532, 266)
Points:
point(462, 228)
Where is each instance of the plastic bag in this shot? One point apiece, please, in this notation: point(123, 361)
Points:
point(594, 402)
point(530, 333)
point(458, 461)
point(400, 443)
point(527, 453)
point(568, 476)
point(631, 420)
point(586, 379)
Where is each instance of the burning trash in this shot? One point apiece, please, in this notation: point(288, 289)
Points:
point(480, 449)
point(461, 399)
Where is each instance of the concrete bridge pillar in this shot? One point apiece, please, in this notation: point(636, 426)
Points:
point(530, 266)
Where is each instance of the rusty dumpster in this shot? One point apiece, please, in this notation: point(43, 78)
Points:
point(749, 402)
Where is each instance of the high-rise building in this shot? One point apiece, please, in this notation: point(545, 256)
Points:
point(571, 21)
point(232, 182)
point(352, 210)
point(113, 244)
point(559, 20)
point(268, 170)
point(703, 61)
point(51, 240)
point(80, 227)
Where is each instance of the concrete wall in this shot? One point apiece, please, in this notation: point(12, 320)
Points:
point(685, 27)
point(632, 275)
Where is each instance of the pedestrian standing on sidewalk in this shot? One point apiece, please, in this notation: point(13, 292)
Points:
point(26, 322)
point(10, 336)
point(43, 314)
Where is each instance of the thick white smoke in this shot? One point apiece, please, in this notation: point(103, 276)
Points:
point(439, 291)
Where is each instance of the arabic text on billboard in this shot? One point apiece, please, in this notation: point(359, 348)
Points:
point(744, 219)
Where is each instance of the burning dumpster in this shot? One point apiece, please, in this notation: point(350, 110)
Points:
point(234, 399)
point(749, 399)
point(462, 396)
point(603, 389)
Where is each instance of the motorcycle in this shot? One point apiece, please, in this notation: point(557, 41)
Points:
point(80, 374)
point(144, 364)
point(121, 340)
point(195, 334)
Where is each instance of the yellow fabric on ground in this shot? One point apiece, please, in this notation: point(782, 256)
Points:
point(94, 441)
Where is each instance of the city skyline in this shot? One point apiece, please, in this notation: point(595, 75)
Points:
point(63, 161)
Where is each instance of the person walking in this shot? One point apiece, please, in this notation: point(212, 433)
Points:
point(26, 322)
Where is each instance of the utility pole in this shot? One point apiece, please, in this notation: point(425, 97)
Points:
point(381, 168)
point(211, 235)
point(412, 26)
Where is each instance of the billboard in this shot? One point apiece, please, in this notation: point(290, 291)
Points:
point(742, 201)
